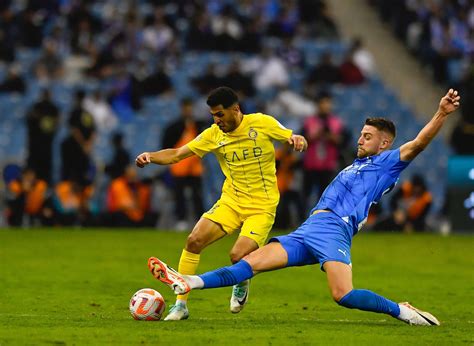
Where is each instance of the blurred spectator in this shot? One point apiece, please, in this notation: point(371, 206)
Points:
point(129, 201)
point(30, 27)
point(13, 82)
point(238, 81)
point(157, 35)
point(395, 222)
point(292, 55)
point(326, 24)
point(208, 81)
point(462, 138)
point(120, 159)
point(363, 58)
point(286, 165)
point(253, 37)
point(288, 103)
point(199, 35)
point(7, 47)
point(323, 133)
point(409, 207)
point(310, 10)
point(76, 149)
point(26, 197)
point(324, 73)
point(157, 83)
point(102, 62)
point(438, 32)
point(71, 199)
point(269, 70)
point(284, 25)
point(125, 95)
point(187, 174)
point(49, 66)
point(415, 200)
point(227, 30)
point(350, 73)
point(101, 111)
point(42, 122)
point(82, 39)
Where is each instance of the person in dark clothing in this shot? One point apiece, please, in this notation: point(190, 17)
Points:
point(26, 197)
point(208, 81)
point(324, 73)
point(77, 147)
point(157, 83)
point(409, 207)
point(187, 174)
point(7, 46)
point(42, 123)
point(238, 81)
point(121, 157)
point(462, 136)
point(13, 83)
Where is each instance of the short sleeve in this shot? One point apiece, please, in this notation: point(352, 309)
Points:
point(392, 163)
point(203, 143)
point(276, 130)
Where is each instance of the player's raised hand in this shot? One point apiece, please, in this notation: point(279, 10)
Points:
point(298, 142)
point(450, 102)
point(143, 159)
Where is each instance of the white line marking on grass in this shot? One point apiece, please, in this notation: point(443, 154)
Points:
point(24, 315)
point(300, 319)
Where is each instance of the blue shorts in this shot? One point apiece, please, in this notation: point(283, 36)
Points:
point(322, 237)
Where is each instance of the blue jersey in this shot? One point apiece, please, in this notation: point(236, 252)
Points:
point(357, 186)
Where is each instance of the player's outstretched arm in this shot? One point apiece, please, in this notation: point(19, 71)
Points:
point(448, 104)
point(298, 142)
point(163, 157)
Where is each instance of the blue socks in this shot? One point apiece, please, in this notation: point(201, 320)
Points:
point(369, 301)
point(227, 276)
point(355, 299)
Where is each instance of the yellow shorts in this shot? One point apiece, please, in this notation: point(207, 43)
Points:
point(253, 223)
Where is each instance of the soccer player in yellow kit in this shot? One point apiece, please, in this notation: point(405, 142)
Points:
point(243, 145)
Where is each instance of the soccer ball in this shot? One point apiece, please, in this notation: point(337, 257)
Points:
point(147, 304)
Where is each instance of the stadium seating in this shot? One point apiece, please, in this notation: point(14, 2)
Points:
point(353, 104)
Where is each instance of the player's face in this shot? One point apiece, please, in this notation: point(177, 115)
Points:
point(371, 142)
point(228, 119)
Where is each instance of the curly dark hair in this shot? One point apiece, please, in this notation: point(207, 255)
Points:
point(224, 96)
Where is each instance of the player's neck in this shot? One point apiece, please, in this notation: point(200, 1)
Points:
point(240, 118)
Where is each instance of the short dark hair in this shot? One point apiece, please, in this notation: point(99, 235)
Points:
point(224, 96)
point(324, 94)
point(382, 124)
point(186, 101)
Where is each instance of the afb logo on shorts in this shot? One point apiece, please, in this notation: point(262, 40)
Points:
point(252, 133)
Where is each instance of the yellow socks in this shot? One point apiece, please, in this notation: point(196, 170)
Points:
point(188, 264)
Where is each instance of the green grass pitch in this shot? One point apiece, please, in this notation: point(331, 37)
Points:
point(63, 286)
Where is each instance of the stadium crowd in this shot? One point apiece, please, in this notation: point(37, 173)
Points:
point(130, 52)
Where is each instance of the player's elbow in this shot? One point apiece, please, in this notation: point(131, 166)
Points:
point(174, 157)
point(419, 145)
point(173, 160)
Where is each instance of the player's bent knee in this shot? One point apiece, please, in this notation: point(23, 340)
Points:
point(195, 243)
point(338, 293)
point(235, 256)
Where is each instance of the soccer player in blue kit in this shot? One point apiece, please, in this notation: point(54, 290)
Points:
point(326, 236)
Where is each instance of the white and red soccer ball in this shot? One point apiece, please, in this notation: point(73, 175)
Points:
point(147, 304)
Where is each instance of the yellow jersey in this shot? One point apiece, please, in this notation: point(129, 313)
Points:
point(247, 159)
